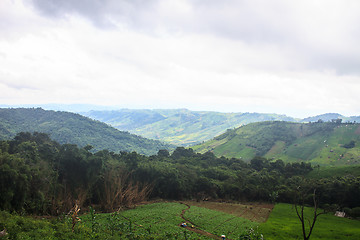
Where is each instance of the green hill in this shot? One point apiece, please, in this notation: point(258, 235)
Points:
point(179, 126)
point(329, 117)
point(321, 143)
point(66, 127)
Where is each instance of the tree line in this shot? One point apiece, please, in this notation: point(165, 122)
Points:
point(40, 176)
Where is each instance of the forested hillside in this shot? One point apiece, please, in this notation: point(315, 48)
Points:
point(66, 127)
point(179, 126)
point(41, 176)
point(325, 143)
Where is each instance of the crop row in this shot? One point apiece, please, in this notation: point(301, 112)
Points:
point(160, 220)
point(218, 223)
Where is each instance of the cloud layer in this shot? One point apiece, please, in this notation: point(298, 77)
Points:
point(293, 57)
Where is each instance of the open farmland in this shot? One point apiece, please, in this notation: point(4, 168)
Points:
point(162, 220)
point(156, 220)
point(204, 220)
point(256, 212)
point(218, 223)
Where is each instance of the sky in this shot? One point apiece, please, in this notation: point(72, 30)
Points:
point(299, 58)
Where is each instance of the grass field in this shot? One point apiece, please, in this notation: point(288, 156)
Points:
point(320, 144)
point(332, 171)
point(284, 224)
point(162, 221)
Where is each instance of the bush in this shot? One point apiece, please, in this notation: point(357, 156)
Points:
point(355, 212)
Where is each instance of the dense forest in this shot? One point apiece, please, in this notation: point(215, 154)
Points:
point(71, 128)
point(41, 176)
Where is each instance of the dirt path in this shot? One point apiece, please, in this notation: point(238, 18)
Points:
point(195, 229)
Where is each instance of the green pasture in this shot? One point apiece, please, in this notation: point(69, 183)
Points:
point(235, 149)
point(320, 144)
point(283, 224)
point(334, 171)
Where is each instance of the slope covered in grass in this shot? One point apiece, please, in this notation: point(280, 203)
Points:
point(320, 143)
point(283, 224)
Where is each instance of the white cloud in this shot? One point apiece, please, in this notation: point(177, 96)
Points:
point(299, 58)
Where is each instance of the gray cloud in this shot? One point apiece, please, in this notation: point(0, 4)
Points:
point(258, 55)
point(102, 13)
point(304, 31)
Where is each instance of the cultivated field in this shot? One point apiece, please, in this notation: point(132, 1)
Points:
point(162, 220)
point(257, 212)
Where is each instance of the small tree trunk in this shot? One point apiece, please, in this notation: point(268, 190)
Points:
point(300, 213)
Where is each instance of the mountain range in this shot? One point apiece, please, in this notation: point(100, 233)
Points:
point(186, 128)
point(72, 128)
point(178, 126)
point(328, 140)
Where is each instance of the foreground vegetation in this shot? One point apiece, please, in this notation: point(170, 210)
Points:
point(41, 176)
point(162, 221)
point(283, 224)
point(152, 221)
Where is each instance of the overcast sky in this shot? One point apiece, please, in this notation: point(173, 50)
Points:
point(299, 58)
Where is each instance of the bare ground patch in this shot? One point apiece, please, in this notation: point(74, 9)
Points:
point(358, 130)
point(257, 212)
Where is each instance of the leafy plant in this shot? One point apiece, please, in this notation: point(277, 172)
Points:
point(252, 234)
point(93, 222)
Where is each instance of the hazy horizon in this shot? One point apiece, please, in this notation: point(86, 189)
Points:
point(79, 108)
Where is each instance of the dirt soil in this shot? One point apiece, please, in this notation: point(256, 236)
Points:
point(358, 130)
point(257, 212)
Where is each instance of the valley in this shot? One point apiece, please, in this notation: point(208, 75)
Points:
point(180, 127)
point(179, 120)
point(242, 183)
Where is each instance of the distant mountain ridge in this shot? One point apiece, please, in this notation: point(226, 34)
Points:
point(179, 126)
point(66, 127)
point(328, 117)
point(185, 127)
point(325, 143)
